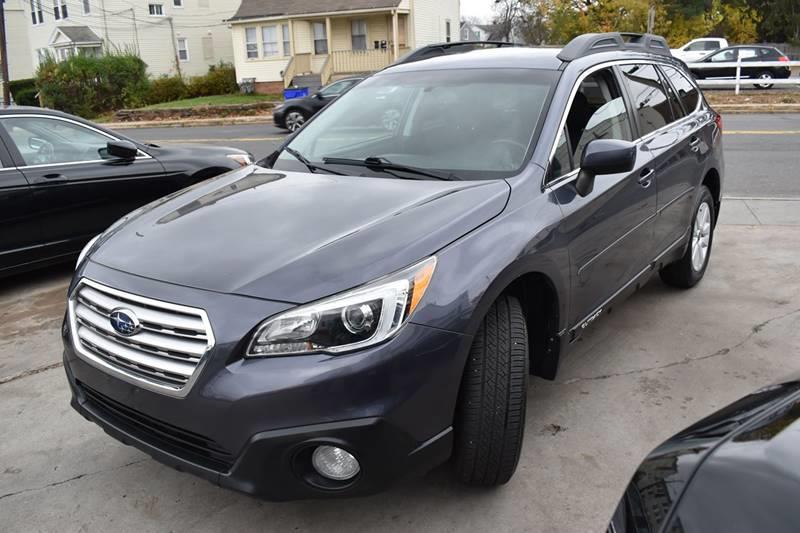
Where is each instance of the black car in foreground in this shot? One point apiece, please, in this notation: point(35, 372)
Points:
point(293, 113)
point(63, 180)
point(736, 471)
point(747, 54)
point(370, 299)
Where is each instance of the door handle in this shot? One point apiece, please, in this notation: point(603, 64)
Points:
point(646, 177)
point(55, 177)
point(694, 143)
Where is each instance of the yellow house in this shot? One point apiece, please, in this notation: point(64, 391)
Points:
point(280, 43)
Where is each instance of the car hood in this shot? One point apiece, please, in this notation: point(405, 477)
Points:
point(295, 237)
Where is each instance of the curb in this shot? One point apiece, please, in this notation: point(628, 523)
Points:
point(756, 108)
point(188, 123)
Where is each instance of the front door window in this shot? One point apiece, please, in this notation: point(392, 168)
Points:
point(47, 141)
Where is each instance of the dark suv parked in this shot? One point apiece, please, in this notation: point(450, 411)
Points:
point(372, 298)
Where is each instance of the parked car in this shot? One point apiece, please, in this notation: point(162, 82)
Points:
point(737, 470)
point(63, 180)
point(697, 49)
point(748, 54)
point(372, 298)
point(293, 113)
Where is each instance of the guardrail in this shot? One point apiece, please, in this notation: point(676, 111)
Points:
point(738, 81)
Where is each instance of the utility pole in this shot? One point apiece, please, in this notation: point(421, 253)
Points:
point(135, 31)
point(4, 55)
point(175, 47)
point(105, 25)
point(651, 18)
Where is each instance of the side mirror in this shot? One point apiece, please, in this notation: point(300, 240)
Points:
point(604, 156)
point(318, 96)
point(122, 149)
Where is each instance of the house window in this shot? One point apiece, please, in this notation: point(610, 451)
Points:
point(87, 7)
point(447, 31)
point(251, 37)
point(269, 40)
point(156, 10)
point(287, 40)
point(183, 49)
point(37, 14)
point(60, 9)
point(42, 54)
point(320, 38)
point(177, 3)
point(359, 34)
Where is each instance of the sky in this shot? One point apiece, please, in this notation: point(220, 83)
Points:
point(477, 8)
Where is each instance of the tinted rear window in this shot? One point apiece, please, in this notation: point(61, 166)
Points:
point(687, 92)
point(649, 97)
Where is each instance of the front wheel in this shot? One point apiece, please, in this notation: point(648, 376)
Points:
point(687, 271)
point(295, 120)
point(765, 76)
point(490, 417)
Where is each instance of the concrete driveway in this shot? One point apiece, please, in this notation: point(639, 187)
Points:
point(659, 362)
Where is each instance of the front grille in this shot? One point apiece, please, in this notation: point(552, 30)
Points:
point(187, 445)
point(165, 353)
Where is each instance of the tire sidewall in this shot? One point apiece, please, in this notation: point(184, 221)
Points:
point(703, 197)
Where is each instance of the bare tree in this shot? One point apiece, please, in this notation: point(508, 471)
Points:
point(507, 15)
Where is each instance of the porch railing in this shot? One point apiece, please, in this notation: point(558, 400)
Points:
point(289, 73)
point(351, 61)
point(326, 71)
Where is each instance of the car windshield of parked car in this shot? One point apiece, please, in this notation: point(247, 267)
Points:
point(473, 124)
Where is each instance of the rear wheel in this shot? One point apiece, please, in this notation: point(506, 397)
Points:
point(765, 76)
point(687, 271)
point(295, 120)
point(490, 418)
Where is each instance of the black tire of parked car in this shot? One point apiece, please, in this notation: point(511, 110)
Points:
point(490, 417)
point(767, 76)
point(681, 273)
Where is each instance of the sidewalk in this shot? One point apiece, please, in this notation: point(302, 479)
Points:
point(760, 211)
point(190, 122)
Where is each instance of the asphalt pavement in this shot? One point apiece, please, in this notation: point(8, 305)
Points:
point(659, 362)
point(762, 152)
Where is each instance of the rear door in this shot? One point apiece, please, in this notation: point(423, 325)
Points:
point(611, 229)
point(19, 229)
point(77, 188)
point(672, 139)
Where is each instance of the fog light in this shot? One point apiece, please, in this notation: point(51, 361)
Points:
point(335, 463)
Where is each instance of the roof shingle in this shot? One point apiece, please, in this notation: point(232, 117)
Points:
point(273, 8)
point(79, 34)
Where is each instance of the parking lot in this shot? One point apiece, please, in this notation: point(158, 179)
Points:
point(656, 364)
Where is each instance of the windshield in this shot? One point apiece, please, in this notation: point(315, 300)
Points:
point(472, 124)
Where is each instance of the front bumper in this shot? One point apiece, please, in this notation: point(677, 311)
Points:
point(279, 118)
point(250, 425)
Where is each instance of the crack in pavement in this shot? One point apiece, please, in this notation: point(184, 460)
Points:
point(79, 476)
point(31, 372)
point(755, 330)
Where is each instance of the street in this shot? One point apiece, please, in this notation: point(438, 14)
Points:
point(761, 151)
point(659, 362)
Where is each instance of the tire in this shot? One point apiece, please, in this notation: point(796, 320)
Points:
point(490, 416)
point(295, 118)
point(765, 75)
point(687, 271)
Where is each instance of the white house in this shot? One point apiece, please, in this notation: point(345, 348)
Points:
point(276, 41)
point(171, 36)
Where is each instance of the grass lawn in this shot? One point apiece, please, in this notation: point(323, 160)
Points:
point(223, 99)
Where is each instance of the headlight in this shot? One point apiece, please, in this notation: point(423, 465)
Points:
point(242, 159)
point(85, 251)
point(350, 321)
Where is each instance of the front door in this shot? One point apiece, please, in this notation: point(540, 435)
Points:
point(78, 189)
point(611, 229)
point(19, 229)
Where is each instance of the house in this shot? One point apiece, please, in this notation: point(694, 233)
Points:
point(171, 36)
point(280, 43)
point(476, 32)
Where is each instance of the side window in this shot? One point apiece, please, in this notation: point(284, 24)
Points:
point(597, 112)
point(711, 45)
point(726, 56)
point(687, 91)
point(650, 102)
point(748, 54)
point(696, 47)
point(45, 141)
point(674, 100)
point(336, 89)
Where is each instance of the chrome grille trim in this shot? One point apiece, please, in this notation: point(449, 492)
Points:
point(166, 356)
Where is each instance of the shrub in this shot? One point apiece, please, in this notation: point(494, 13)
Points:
point(221, 79)
point(24, 91)
point(89, 86)
point(166, 89)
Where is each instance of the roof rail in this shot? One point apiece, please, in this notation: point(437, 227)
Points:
point(594, 43)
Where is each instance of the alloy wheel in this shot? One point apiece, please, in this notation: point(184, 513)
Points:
point(294, 121)
point(701, 237)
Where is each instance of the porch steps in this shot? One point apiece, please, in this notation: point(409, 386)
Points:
point(312, 81)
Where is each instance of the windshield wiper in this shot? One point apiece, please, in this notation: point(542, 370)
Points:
point(383, 164)
point(308, 164)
